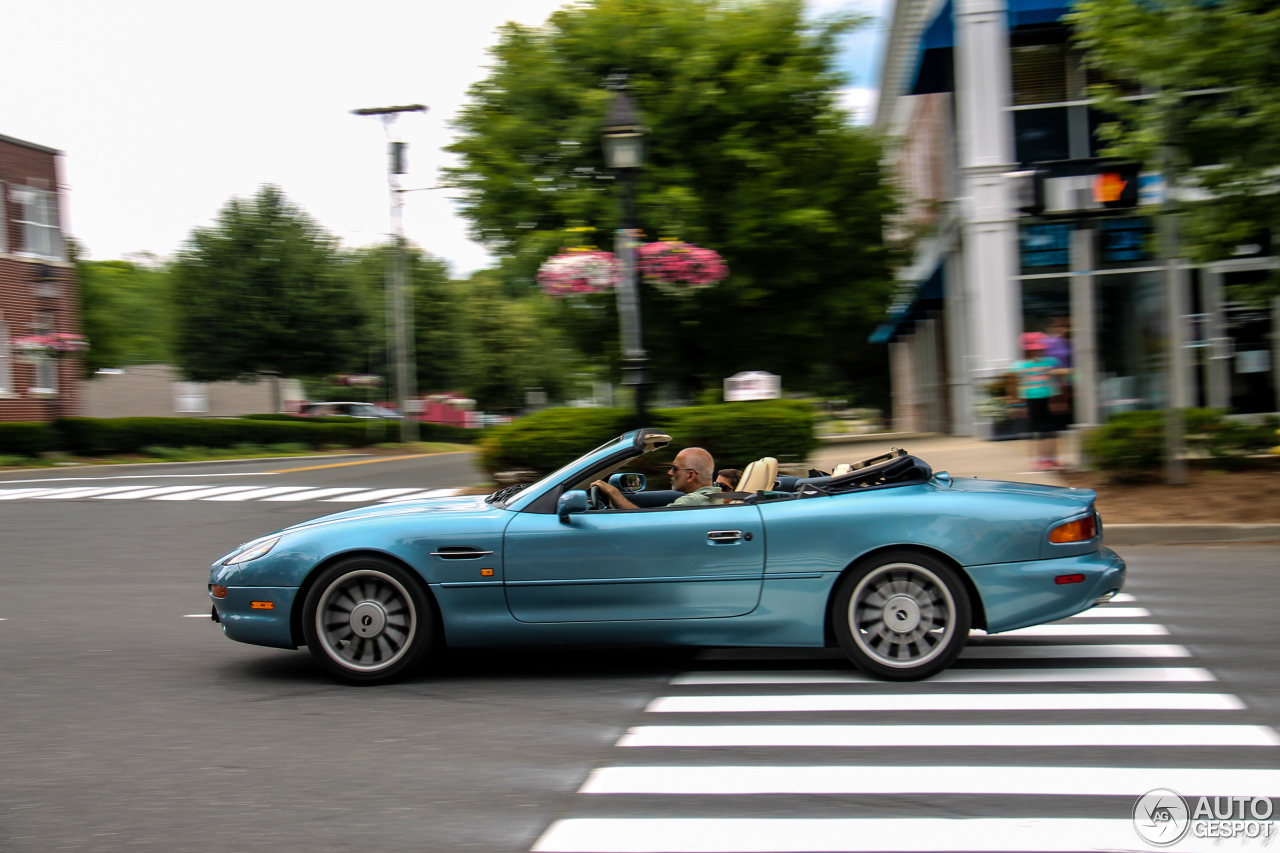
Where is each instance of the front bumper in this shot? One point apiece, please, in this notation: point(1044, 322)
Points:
point(1016, 595)
point(242, 622)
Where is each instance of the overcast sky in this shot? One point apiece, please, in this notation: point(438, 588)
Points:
point(164, 109)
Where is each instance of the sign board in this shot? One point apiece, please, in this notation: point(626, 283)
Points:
point(752, 385)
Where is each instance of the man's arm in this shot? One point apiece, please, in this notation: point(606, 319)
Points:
point(615, 497)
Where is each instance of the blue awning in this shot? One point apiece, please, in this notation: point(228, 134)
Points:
point(902, 319)
point(934, 71)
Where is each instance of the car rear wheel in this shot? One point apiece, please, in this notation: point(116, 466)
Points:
point(367, 620)
point(902, 616)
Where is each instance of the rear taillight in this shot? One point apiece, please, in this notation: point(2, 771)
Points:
point(1080, 530)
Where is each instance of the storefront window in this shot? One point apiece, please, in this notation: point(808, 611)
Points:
point(1130, 341)
point(1125, 243)
point(1041, 135)
point(1045, 248)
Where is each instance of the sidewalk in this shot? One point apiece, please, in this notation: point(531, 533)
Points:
point(1009, 460)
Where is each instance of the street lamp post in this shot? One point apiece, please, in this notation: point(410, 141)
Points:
point(400, 350)
point(622, 136)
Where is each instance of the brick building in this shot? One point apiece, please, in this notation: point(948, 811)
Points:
point(38, 288)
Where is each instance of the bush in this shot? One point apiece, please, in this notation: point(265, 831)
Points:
point(100, 436)
point(1131, 446)
point(734, 433)
point(25, 439)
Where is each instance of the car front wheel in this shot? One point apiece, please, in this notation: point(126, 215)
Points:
point(902, 616)
point(367, 620)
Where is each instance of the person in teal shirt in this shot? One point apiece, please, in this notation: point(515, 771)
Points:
point(1037, 376)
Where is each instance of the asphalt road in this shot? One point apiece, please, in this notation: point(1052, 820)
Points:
point(130, 723)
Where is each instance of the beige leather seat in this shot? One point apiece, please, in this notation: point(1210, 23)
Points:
point(761, 474)
point(842, 468)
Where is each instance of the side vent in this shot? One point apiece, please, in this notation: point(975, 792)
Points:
point(460, 552)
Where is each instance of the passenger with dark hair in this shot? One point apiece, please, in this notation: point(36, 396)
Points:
point(728, 479)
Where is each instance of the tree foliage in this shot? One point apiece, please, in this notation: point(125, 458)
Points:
point(1210, 73)
point(748, 154)
point(127, 313)
point(261, 292)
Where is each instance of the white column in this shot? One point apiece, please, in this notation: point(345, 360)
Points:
point(958, 346)
point(1084, 332)
point(985, 133)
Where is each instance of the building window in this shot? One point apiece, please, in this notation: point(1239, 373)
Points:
point(46, 368)
point(6, 361)
point(1039, 72)
point(38, 221)
point(4, 223)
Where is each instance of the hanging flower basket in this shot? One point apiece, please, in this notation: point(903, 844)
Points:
point(678, 268)
point(578, 273)
point(55, 345)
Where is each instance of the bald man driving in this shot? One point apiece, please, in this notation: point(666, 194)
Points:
point(691, 473)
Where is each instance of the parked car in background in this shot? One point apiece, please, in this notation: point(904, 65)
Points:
point(344, 409)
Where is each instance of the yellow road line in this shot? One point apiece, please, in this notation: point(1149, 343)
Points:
point(368, 461)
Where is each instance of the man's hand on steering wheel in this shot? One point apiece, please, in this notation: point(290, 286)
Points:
point(603, 496)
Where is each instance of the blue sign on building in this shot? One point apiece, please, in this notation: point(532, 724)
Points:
point(1046, 247)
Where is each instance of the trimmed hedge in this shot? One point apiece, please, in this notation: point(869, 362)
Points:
point(20, 438)
point(1131, 446)
point(99, 436)
point(426, 431)
point(734, 433)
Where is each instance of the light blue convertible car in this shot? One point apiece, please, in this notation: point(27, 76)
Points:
point(888, 560)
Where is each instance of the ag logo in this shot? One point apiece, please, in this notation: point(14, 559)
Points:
point(1161, 817)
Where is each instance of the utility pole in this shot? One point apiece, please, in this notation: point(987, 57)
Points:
point(399, 326)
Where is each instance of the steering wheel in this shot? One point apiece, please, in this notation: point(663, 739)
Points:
point(596, 499)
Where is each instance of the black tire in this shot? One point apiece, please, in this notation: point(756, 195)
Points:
point(901, 615)
point(367, 620)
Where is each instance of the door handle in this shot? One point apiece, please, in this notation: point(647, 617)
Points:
point(727, 535)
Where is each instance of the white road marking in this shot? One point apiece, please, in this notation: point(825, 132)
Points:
point(955, 676)
point(202, 494)
point(1151, 650)
point(313, 494)
point(788, 704)
point(1114, 613)
point(898, 779)
point(147, 493)
point(429, 493)
point(196, 616)
point(948, 735)
point(1122, 598)
point(14, 494)
point(88, 493)
point(374, 495)
point(254, 494)
point(851, 835)
point(1139, 630)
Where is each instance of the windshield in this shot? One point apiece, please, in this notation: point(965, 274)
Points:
point(528, 493)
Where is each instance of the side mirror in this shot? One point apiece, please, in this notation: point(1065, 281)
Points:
point(627, 483)
point(569, 503)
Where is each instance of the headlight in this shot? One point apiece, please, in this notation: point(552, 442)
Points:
point(253, 552)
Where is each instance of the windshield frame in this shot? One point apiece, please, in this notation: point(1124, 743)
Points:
point(630, 443)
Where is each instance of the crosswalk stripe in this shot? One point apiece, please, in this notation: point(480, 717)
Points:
point(15, 494)
point(912, 779)
point(786, 704)
point(147, 493)
point(951, 735)
point(1122, 598)
point(368, 495)
point(1114, 613)
point(1149, 650)
point(202, 494)
point(255, 494)
point(311, 495)
point(428, 493)
point(1077, 630)
point(850, 835)
point(70, 494)
point(953, 676)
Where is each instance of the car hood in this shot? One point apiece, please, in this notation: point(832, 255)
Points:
point(467, 503)
point(974, 484)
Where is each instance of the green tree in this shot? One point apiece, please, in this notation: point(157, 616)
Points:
point(433, 294)
point(748, 154)
point(508, 346)
point(1209, 72)
point(127, 312)
point(263, 292)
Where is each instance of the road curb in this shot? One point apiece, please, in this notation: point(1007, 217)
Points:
point(1188, 534)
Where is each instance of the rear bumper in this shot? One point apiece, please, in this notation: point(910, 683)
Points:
point(1015, 595)
point(242, 622)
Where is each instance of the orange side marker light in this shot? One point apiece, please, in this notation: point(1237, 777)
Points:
point(486, 573)
point(262, 605)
